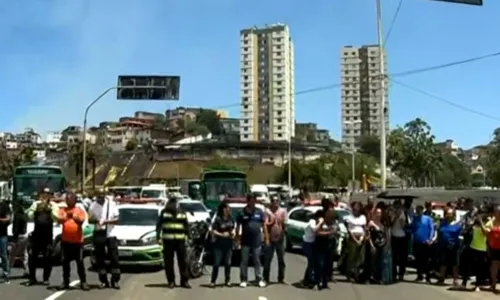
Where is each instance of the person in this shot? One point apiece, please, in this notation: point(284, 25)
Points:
point(356, 227)
point(423, 231)
point(172, 231)
point(476, 258)
point(104, 214)
point(43, 213)
point(309, 239)
point(251, 224)
point(448, 244)
point(324, 245)
point(5, 219)
point(223, 232)
point(20, 239)
point(71, 218)
point(275, 225)
point(492, 228)
point(399, 241)
point(377, 240)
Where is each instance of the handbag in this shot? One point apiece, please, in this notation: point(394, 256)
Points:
point(100, 235)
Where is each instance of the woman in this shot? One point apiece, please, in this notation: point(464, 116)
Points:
point(308, 239)
point(399, 240)
point(323, 247)
point(377, 241)
point(477, 255)
point(356, 224)
point(222, 232)
point(448, 245)
point(493, 237)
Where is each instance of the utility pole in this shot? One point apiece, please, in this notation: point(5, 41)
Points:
point(381, 56)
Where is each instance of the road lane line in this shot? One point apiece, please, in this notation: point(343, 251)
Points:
point(60, 293)
point(262, 298)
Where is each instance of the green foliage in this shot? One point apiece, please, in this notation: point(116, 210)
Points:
point(453, 173)
point(131, 144)
point(492, 165)
point(370, 145)
point(209, 119)
point(219, 163)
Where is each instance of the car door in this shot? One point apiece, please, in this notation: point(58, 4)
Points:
point(295, 228)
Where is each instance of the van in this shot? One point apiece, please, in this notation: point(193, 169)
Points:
point(261, 192)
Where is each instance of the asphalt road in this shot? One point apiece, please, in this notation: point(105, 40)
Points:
point(152, 285)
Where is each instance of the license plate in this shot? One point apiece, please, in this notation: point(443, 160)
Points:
point(124, 253)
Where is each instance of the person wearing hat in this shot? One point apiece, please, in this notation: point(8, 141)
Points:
point(104, 214)
point(172, 231)
point(43, 212)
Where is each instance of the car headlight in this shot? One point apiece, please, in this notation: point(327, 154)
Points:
point(149, 240)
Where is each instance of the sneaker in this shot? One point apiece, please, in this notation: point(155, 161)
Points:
point(212, 285)
point(46, 283)
point(85, 287)
point(262, 284)
point(228, 284)
point(6, 281)
point(243, 284)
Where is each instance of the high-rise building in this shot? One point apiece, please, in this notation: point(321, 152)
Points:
point(361, 93)
point(267, 84)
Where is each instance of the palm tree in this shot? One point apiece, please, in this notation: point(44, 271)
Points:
point(75, 158)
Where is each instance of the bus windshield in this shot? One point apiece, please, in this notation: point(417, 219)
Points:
point(28, 186)
point(234, 188)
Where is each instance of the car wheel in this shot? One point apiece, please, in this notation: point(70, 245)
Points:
point(194, 265)
point(288, 244)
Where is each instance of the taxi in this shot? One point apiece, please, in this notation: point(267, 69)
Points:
point(298, 218)
point(136, 233)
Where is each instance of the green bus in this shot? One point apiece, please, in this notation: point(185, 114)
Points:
point(28, 181)
point(218, 185)
point(191, 188)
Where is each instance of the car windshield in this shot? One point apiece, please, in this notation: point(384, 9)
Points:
point(192, 207)
point(150, 194)
point(231, 188)
point(138, 217)
point(29, 186)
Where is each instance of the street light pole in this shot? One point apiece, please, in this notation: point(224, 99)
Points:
point(290, 152)
point(84, 146)
point(383, 145)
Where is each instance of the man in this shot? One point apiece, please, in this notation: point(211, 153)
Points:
point(424, 235)
point(429, 212)
point(5, 217)
point(43, 213)
point(251, 224)
point(172, 231)
point(72, 217)
point(20, 237)
point(104, 214)
point(275, 223)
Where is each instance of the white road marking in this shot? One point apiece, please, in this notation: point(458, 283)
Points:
point(262, 298)
point(60, 293)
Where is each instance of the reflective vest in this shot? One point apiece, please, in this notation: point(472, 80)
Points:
point(174, 227)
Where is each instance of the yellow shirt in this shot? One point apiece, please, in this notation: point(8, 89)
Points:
point(478, 239)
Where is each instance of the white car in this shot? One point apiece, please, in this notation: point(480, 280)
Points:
point(297, 221)
point(196, 211)
point(136, 234)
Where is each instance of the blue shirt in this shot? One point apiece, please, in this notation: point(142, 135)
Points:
point(422, 228)
point(251, 226)
point(449, 234)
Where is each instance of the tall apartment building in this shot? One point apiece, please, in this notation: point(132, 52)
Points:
point(361, 93)
point(267, 84)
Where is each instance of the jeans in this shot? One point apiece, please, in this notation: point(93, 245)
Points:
point(222, 256)
point(5, 266)
point(245, 255)
point(323, 262)
point(377, 262)
point(279, 248)
point(399, 256)
point(422, 254)
point(308, 249)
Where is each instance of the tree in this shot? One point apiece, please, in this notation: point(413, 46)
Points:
point(161, 123)
point(209, 119)
point(453, 173)
point(413, 153)
point(75, 158)
point(131, 144)
point(193, 128)
point(370, 145)
point(218, 163)
point(27, 156)
point(492, 167)
point(6, 164)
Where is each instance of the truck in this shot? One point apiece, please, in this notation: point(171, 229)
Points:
point(218, 185)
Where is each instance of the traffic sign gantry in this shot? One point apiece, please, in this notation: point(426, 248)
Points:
point(470, 2)
point(133, 87)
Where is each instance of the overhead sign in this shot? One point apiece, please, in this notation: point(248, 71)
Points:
point(469, 2)
point(38, 171)
point(148, 87)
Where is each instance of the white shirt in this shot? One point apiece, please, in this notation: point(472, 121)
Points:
point(309, 232)
point(99, 212)
point(397, 229)
point(356, 225)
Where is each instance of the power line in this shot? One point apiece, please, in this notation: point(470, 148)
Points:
point(394, 19)
point(459, 106)
point(398, 74)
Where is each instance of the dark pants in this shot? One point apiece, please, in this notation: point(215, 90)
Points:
point(323, 261)
point(40, 251)
point(245, 256)
point(474, 262)
point(5, 266)
point(279, 248)
point(107, 250)
point(399, 249)
point(72, 252)
point(377, 263)
point(308, 249)
point(422, 253)
point(173, 248)
point(222, 256)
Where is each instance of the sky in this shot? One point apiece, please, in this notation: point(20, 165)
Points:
point(56, 56)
